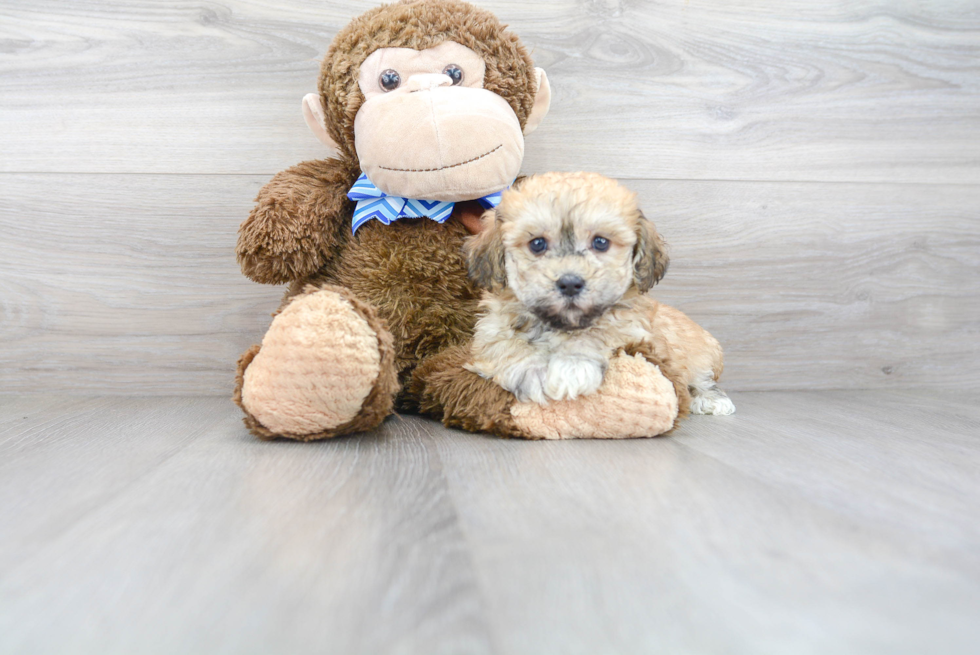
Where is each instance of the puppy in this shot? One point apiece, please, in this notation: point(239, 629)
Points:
point(567, 259)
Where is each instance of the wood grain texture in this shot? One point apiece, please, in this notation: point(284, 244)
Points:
point(827, 285)
point(128, 283)
point(809, 522)
point(869, 90)
point(161, 526)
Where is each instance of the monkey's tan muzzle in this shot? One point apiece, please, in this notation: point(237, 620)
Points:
point(454, 143)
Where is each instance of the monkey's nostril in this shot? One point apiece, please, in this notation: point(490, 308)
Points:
point(570, 285)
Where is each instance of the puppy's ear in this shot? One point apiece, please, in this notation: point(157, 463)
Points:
point(485, 254)
point(650, 258)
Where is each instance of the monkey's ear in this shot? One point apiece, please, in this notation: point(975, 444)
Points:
point(316, 119)
point(542, 102)
point(650, 258)
point(485, 258)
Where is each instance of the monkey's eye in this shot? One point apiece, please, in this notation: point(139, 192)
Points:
point(390, 80)
point(601, 244)
point(538, 245)
point(454, 72)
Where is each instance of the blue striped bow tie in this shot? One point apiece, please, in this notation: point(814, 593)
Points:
point(372, 202)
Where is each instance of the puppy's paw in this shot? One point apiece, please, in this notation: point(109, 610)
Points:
point(571, 376)
point(708, 398)
point(526, 381)
point(719, 405)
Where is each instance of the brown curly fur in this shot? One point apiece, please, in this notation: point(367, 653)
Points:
point(411, 274)
point(652, 263)
point(301, 221)
point(297, 226)
point(441, 388)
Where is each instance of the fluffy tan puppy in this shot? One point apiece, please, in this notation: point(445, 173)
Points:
point(567, 260)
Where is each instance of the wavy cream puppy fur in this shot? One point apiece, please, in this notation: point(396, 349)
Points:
point(567, 259)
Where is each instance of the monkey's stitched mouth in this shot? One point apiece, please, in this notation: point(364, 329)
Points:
point(442, 168)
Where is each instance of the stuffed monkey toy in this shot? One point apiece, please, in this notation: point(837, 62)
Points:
point(426, 104)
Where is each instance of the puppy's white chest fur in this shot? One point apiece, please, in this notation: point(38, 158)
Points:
point(538, 363)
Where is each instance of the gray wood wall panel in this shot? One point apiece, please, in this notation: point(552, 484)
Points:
point(870, 90)
point(128, 283)
point(815, 167)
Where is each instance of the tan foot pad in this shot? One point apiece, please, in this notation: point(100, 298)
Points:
point(635, 400)
point(318, 362)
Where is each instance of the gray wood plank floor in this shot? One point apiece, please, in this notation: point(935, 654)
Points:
point(809, 522)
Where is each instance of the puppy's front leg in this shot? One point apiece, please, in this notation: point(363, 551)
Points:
point(526, 379)
point(514, 365)
point(573, 375)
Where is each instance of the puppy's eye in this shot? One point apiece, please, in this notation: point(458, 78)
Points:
point(538, 245)
point(390, 80)
point(454, 72)
point(600, 244)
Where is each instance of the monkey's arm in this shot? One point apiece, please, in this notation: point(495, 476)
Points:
point(300, 219)
point(442, 387)
point(635, 400)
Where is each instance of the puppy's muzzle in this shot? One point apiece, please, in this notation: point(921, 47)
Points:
point(570, 285)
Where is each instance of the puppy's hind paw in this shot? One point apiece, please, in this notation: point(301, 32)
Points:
point(718, 404)
point(708, 398)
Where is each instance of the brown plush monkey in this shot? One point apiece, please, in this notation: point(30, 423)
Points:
point(426, 103)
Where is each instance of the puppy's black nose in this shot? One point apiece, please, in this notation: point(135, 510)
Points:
point(570, 285)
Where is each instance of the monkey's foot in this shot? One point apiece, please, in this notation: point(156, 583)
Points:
point(634, 400)
point(325, 368)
